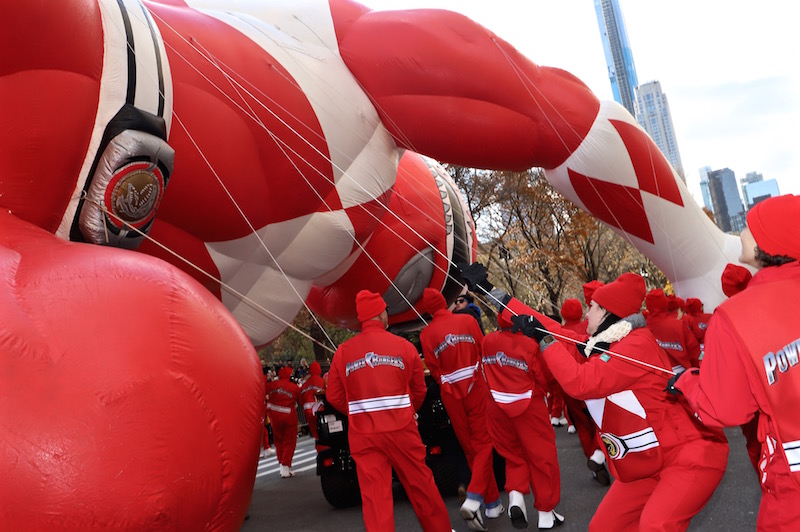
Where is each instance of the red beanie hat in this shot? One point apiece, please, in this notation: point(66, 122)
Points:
point(571, 310)
point(656, 301)
point(285, 372)
point(315, 369)
point(694, 305)
point(735, 278)
point(432, 300)
point(622, 297)
point(671, 303)
point(773, 223)
point(589, 289)
point(368, 305)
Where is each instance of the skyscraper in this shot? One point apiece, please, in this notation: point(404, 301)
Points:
point(619, 59)
point(759, 191)
point(652, 113)
point(751, 177)
point(704, 188)
point(728, 209)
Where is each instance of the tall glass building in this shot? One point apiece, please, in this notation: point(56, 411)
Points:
point(728, 209)
point(759, 191)
point(707, 203)
point(619, 59)
point(652, 113)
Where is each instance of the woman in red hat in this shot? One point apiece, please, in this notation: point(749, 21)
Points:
point(283, 396)
point(752, 348)
point(654, 447)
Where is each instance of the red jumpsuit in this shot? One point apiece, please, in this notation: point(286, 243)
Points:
point(377, 378)
point(672, 335)
point(654, 448)
point(743, 346)
point(451, 345)
point(308, 397)
point(694, 308)
point(283, 397)
point(517, 416)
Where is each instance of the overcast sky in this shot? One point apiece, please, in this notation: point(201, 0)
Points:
point(730, 69)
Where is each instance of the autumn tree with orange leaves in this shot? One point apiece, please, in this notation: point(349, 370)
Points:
point(538, 245)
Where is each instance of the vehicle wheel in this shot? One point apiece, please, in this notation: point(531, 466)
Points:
point(340, 491)
point(444, 475)
point(499, 470)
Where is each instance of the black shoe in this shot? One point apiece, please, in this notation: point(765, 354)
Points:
point(518, 519)
point(599, 472)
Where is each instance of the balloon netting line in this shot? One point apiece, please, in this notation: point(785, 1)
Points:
point(239, 88)
point(284, 145)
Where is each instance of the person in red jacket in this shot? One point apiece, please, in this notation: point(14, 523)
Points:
point(751, 358)
point(581, 421)
point(313, 385)
point(518, 423)
point(377, 379)
point(589, 289)
point(654, 447)
point(283, 396)
point(694, 308)
point(672, 335)
point(451, 345)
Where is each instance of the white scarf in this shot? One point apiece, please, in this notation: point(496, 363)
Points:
point(614, 333)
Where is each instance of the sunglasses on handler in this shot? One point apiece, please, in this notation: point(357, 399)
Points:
point(461, 300)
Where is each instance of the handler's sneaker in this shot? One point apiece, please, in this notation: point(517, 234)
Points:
point(495, 510)
point(470, 511)
point(516, 509)
point(571, 429)
point(548, 520)
point(597, 465)
point(286, 472)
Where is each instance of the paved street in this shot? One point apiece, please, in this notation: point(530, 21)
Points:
point(297, 504)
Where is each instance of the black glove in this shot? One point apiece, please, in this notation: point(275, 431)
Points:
point(529, 326)
point(671, 383)
point(476, 276)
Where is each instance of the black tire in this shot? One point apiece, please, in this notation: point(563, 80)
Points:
point(499, 465)
point(340, 491)
point(444, 474)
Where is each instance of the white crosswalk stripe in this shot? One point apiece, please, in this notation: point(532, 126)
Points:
point(304, 459)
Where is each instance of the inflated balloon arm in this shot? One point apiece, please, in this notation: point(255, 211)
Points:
point(526, 115)
point(128, 183)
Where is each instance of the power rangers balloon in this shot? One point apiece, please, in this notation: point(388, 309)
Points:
point(265, 149)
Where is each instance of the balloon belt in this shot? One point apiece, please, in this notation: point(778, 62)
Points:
point(577, 343)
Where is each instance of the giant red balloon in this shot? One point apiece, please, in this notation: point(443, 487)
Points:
point(131, 398)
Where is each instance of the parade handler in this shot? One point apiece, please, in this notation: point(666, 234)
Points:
point(518, 421)
point(451, 345)
point(377, 379)
point(654, 447)
point(751, 355)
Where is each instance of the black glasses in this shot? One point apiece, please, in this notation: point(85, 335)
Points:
point(461, 300)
